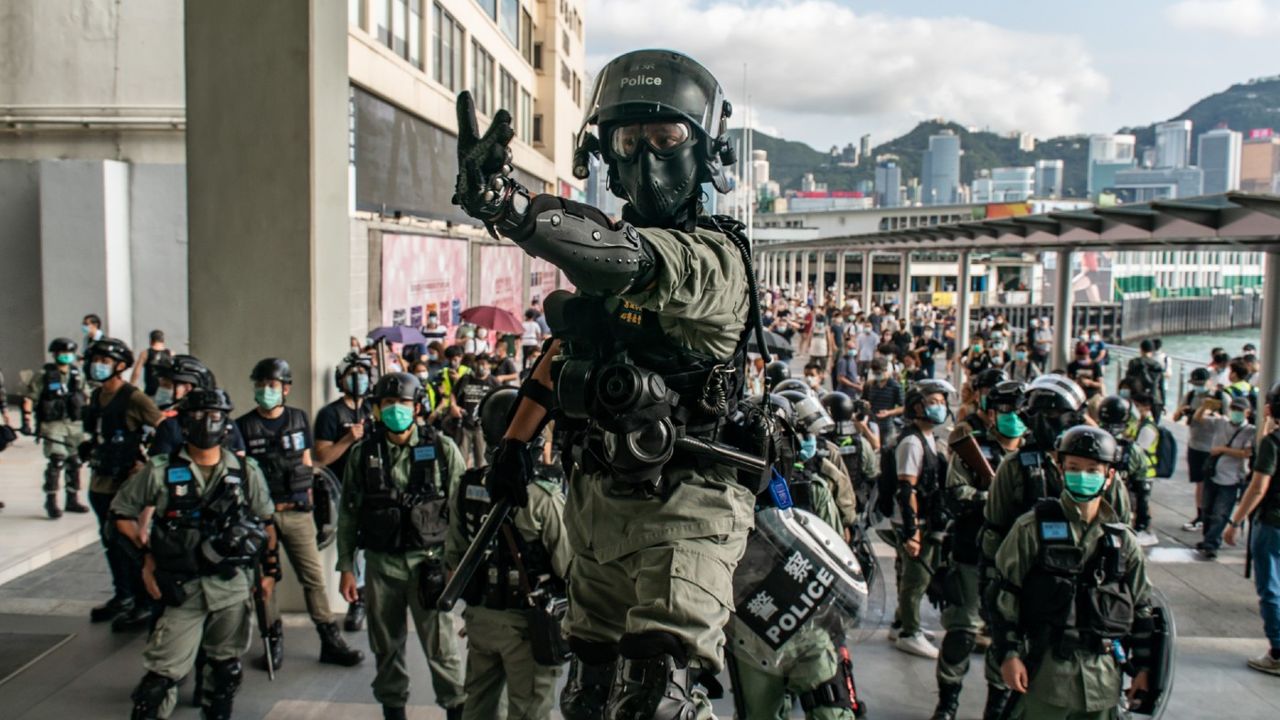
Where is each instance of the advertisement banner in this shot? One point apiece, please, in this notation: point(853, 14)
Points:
point(1091, 280)
point(543, 277)
point(423, 274)
point(500, 271)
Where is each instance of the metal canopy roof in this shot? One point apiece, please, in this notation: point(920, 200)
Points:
point(1249, 221)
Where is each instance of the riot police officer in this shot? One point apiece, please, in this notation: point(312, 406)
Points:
point(1117, 416)
point(174, 379)
point(523, 574)
point(995, 431)
point(663, 304)
point(857, 442)
point(278, 437)
point(211, 527)
point(395, 495)
point(115, 420)
point(1073, 600)
point(821, 458)
point(56, 397)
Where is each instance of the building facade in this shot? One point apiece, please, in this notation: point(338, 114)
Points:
point(1218, 155)
point(1139, 185)
point(1260, 162)
point(1173, 144)
point(1107, 155)
point(888, 184)
point(1048, 182)
point(940, 172)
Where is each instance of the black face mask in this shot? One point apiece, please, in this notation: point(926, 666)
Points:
point(660, 187)
point(204, 434)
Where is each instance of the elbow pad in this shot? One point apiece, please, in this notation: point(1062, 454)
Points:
point(598, 258)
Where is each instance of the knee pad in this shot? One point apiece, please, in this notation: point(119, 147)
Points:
point(653, 680)
point(653, 643)
point(591, 670)
point(957, 645)
point(226, 676)
point(56, 462)
point(150, 694)
point(835, 692)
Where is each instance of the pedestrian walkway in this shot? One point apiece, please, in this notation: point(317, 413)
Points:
point(28, 538)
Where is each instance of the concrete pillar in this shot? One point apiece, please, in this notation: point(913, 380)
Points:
point(904, 284)
point(962, 315)
point(804, 274)
point(789, 272)
point(867, 260)
point(820, 278)
point(1270, 360)
point(840, 278)
point(1062, 304)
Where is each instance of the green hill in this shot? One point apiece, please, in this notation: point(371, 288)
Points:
point(1241, 107)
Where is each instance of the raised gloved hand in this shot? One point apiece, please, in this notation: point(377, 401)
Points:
point(510, 473)
point(483, 189)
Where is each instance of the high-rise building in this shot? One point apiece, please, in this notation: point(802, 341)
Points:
point(888, 187)
point(1136, 185)
point(983, 188)
point(940, 173)
point(1109, 150)
point(1173, 144)
point(1218, 155)
point(1012, 184)
point(1259, 161)
point(760, 167)
point(864, 147)
point(1049, 178)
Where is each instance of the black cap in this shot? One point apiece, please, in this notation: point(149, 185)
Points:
point(272, 369)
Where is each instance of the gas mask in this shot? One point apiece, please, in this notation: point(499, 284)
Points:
point(657, 165)
point(204, 429)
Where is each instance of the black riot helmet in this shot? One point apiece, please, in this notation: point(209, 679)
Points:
point(110, 348)
point(1114, 413)
point(662, 121)
point(272, 369)
point(791, 385)
point(495, 413)
point(352, 360)
point(400, 386)
point(988, 379)
point(791, 395)
point(188, 369)
point(775, 372)
point(63, 345)
point(204, 414)
point(1089, 442)
point(913, 403)
point(1053, 406)
point(1006, 396)
point(839, 406)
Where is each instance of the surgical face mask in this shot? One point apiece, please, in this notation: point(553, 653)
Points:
point(1124, 393)
point(1237, 417)
point(397, 417)
point(1084, 486)
point(936, 414)
point(1095, 337)
point(813, 380)
point(808, 447)
point(84, 329)
point(926, 334)
point(357, 384)
point(1020, 355)
point(164, 396)
point(267, 397)
point(101, 372)
point(1199, 389)
point(65, 358)
point(424, 377)
point(1010, 425)
point(482, 371)
point(977, 347)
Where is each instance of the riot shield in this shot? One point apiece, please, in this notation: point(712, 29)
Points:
point(1159, 653)
point(326, 495)
point(798, 591)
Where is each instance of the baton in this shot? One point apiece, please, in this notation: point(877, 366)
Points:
point(474, 555)
point(260, 609)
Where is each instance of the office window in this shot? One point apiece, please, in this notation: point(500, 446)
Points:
point(490, 7)
point(507, 94)
point(382, 21)
point(525, 126)
point(537, 56)
point(399, 27)
point(415, 33)
point(509, 21)
point(537, 128)
point(565, 76)
point(564, 40)
point(481, 78)
point(447, 49)
point(526, 36)
point(353, 12)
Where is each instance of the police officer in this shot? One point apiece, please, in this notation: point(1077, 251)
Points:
point(821, 458)
point(1073, 596)
point(395, 495)
point(1133, 471)
point(995, 431)
point(339, 426)
point(115, 420)
point(921, 516)
point(464, 407)
point(1054, 405)
point(970, 414)
point(664, 295)
point(857, 442)
point(174, 379)
point(211, 526)
point(278, 437)
point(523, 574)
point(56, 397)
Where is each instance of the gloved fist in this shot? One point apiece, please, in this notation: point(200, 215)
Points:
point(483, 162)
point(85, 451)
point(510, 473)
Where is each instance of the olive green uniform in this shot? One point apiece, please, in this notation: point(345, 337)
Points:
point(1087, 684)
point(838, 480)
point(58, 438)
point(666, 565)
point(811, 654)
point(391, 585)
point(498, 649)
point(217, 614)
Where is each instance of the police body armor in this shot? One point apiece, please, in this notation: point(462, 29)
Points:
point(496, 585)
point(280, 453)
point(1040, 479)
point(59, 399)
point(117, 449)
point(1070, 603)
point(394, 520)
point(967, 519)
point(931, 512)
point(207, 534)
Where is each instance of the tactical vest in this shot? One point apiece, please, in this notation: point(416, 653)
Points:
point(496, 583)
point(1070, 602)
point(394, 520)
point(968, 520)
point(59, 399)
point(279, 453)
point(117, 448)
point(151, 379)
point(800, 481)
point(929, 506)
point(192, 520)
point(1040, 478)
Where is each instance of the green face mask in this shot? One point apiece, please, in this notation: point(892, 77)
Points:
point(267, 397)
point(1010, 425)
point(65, 358)
point(397, 417)
point(1084, 486)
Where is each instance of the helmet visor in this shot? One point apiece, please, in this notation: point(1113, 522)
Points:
point(662, 137)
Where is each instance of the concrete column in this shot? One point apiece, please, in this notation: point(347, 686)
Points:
point(1062, 303)
point(962, 315)
point(789, 271)
point(904, 283)
point(840, 278)
point(820, 282)
point(804, 273)
point(867, 259)
point(1270, 360)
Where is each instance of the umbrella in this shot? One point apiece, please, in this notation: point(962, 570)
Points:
point(397, 334)
point(494, 318)
point(773, 342)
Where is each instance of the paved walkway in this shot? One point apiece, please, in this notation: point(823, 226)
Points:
point(92, 672)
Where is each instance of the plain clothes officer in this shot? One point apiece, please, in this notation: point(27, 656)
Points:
point(149, 363)
point(1231, 452)
point(464, 410)
point(56, 397)
point(175, 379)
point(395, 495)
point(211, 526)
point(1073, 591)
point(524, 570)
point(115, 420)
point(278, 437)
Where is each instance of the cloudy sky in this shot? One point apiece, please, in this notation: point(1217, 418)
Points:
point(827, 71)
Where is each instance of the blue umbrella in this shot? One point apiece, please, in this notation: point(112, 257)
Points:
point(402, 334)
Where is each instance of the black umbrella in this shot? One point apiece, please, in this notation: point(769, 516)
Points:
point(773, 342)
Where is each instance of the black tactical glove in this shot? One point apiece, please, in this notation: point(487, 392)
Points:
point(85, 451)
point(510, 473)
point(483, 189)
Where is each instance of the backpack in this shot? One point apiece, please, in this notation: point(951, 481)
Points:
point(1149, 374)
point(887, 482)
point(1166, 453)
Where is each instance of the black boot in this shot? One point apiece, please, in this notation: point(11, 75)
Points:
point(392, 713)
point(111, 609)
point(275, 638)
point(355, 614)
point(51, 506)
point(653, 680)
point(138, 617)
point(73, 503)
point(334, 650)
point(590, 674)
point(453, 713)
point(998, 700)
point(948, 701)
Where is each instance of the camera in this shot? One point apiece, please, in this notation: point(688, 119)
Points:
point(861, 410)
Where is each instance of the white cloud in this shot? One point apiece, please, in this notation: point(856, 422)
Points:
point(818, 58)
point(1242, 18)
